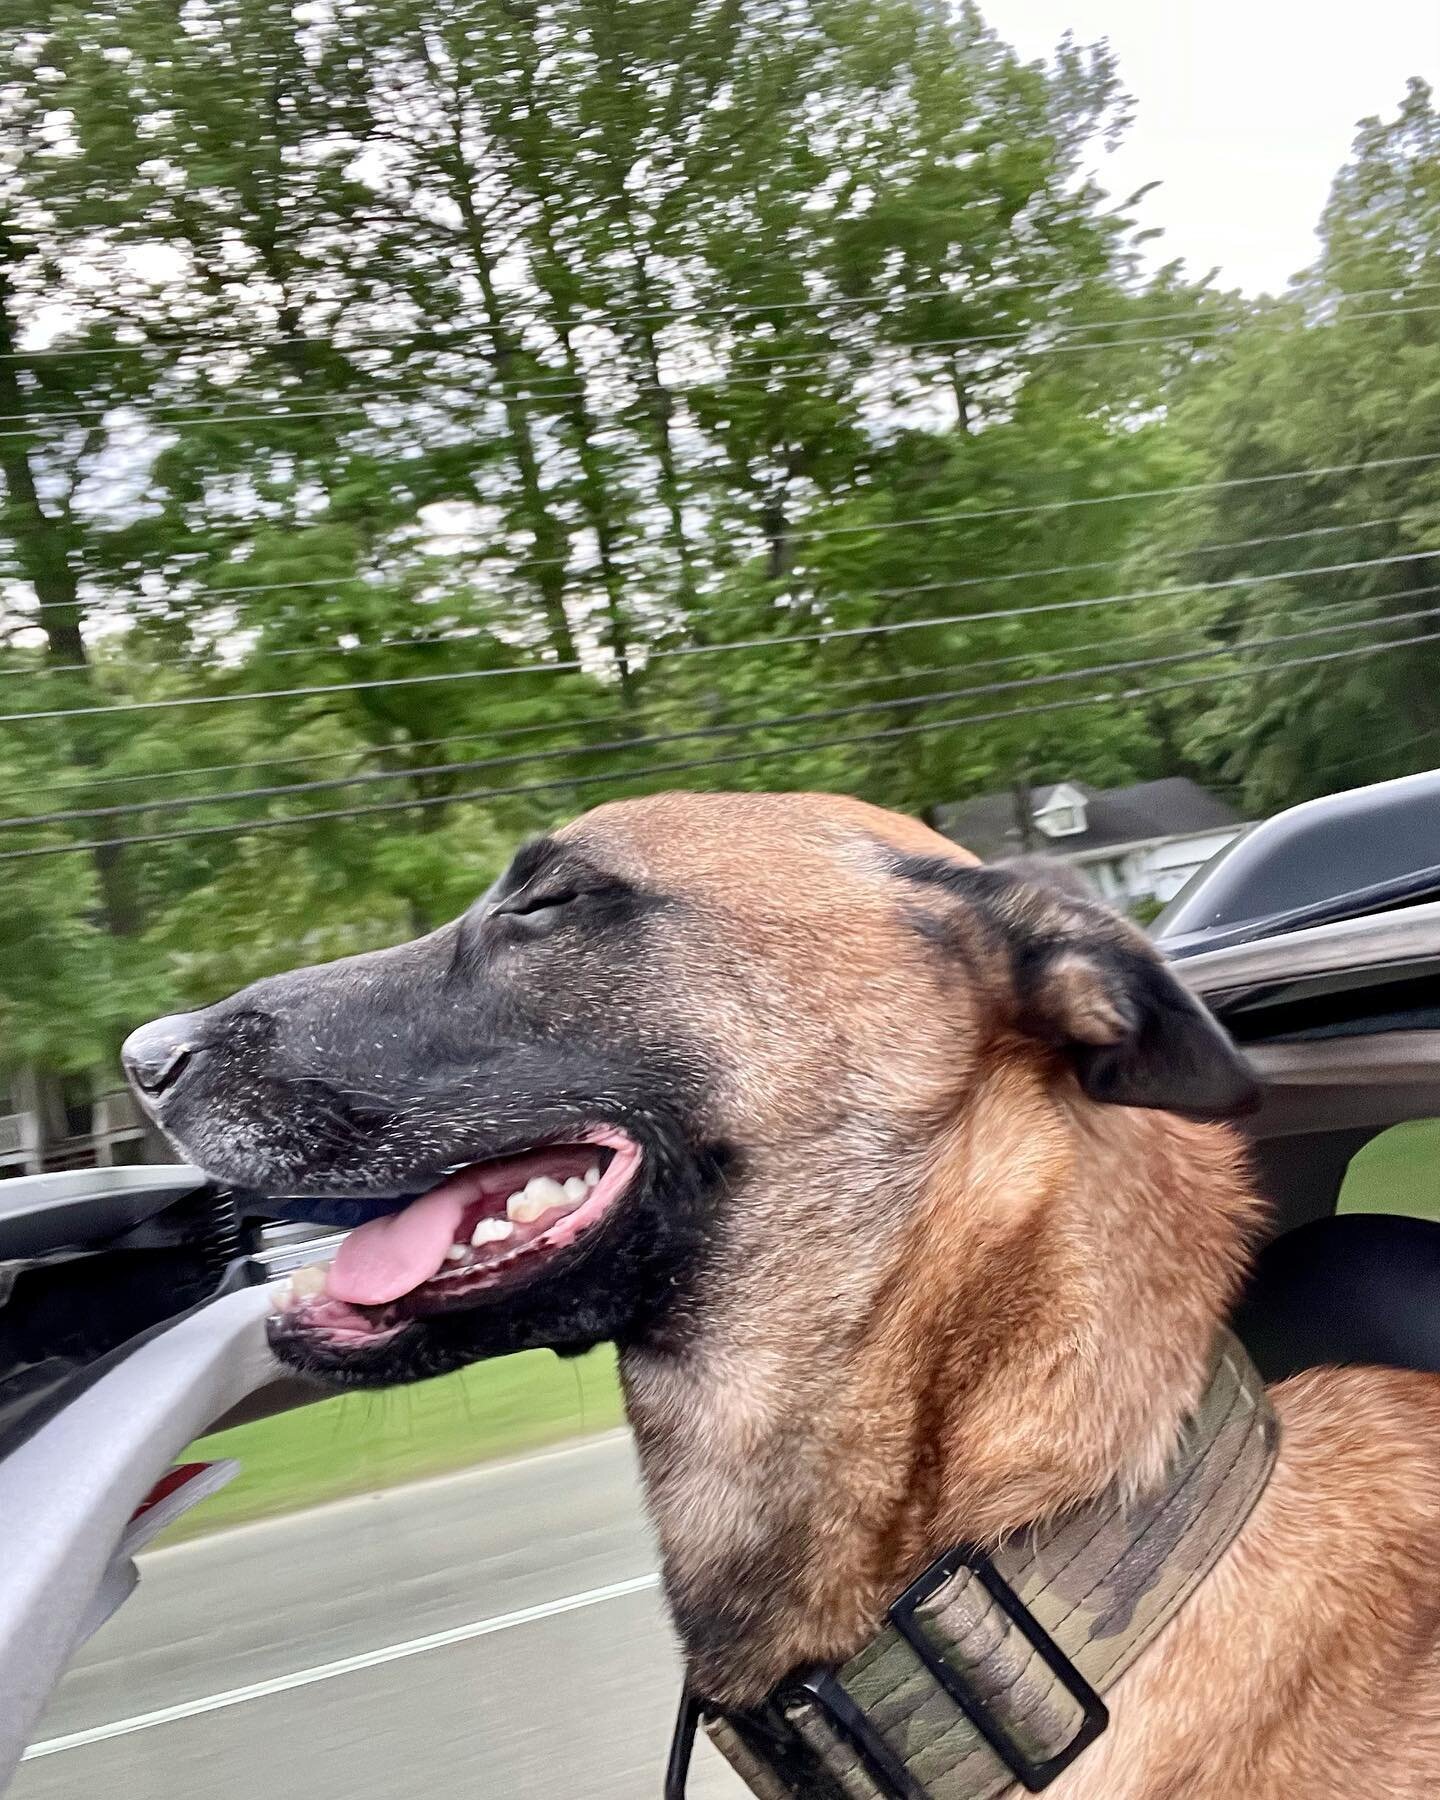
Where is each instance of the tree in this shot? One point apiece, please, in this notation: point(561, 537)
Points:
point(433, 417)
point(1343, 371)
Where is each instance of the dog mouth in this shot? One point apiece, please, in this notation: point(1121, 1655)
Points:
point(487, 1229)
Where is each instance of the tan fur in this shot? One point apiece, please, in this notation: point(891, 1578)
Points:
point(950, 1295)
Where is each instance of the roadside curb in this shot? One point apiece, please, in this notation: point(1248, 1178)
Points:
point(476, 1472)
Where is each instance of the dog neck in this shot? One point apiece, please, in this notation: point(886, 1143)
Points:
point(962, 1349)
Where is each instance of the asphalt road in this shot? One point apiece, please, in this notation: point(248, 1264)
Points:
point(496, 1633)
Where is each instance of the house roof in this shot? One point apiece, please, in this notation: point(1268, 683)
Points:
point(1114, 817)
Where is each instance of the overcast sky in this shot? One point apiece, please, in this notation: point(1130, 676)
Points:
point(1244, 109)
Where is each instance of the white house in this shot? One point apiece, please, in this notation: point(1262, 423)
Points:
point(1137, 844)
point(50, 1122)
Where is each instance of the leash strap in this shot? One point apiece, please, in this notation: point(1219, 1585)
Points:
point(990, 1669)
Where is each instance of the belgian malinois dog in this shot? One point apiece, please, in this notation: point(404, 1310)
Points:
point(896, 1180)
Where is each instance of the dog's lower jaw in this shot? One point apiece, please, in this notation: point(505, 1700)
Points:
point(623, 1282)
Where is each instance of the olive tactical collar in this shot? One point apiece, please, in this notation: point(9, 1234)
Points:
point(989, 1669)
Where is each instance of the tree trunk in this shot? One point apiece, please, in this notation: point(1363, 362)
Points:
point(595, 493)
point(959, 387)
point(775, 524)
point(1024, 811)
point(658, 402)
point(43, 549)
point(548, 533)
point(660, 410)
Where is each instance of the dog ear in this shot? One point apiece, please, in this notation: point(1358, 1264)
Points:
point(1135, 1036)
point(1090, 983)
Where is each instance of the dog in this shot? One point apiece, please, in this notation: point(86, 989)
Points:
point(903, 1187)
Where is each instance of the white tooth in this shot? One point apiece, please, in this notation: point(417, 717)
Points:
point(592, 1175)
point(309, 1280)
point(575, 1188)
point(282, 1294)
point(540, 1196)
point(456, 1253)
point(492, 1231)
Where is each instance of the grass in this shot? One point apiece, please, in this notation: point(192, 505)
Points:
point(1397, 1172)
point(357, 1443)
point(361, 1442)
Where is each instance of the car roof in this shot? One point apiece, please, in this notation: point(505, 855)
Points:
point(1368, 850)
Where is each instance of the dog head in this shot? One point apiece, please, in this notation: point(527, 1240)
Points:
point(560, 1103)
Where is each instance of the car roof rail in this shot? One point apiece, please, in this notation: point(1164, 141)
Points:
point(1368, 850)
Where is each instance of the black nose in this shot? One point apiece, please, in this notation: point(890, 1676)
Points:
point(158, 1054)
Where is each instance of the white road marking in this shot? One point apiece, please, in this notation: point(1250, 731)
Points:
point(346, 1665)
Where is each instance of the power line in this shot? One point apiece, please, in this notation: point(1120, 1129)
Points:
point(585, 721)
point(1191, 487)
point(766, 643)
point(281, 412)
point(383, 338)
point(542, 385)
point(468, 632)
point(293, 528)
point(1123, 562)
point(214, 412)
point(186, 802)
point(336, 687)
point(1206, 315)
point(1386, 750)
point(741, 757)
point(337, 581)
point(968, 516)
point(552, 385)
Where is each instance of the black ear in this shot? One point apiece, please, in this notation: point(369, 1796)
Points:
point(1090, 983)
point(1151, 1042)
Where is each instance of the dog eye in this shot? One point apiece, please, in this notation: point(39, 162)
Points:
point(529, 906)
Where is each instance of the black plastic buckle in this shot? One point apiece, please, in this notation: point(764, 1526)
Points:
point(771, 1736)
point(1095, 1716)
point(889, 1774)
point(773, 1739)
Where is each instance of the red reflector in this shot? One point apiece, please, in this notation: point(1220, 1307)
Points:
point(168, 1484)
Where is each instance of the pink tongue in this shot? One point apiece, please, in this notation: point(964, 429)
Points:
point(390, 1256)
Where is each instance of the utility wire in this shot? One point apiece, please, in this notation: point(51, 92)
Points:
point(620, 746)
point(384, 338)
point(969, 516)
point(280, 410)
point(552, 385)
point(585, 721)
point(570, 783)
point(536, 387)
point(292, 529)
point(688, 650)
point(469, 633)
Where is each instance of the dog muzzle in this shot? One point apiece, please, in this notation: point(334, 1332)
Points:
point(990, 1670)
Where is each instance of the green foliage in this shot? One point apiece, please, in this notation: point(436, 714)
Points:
point(516, 382)
point(1345, 369)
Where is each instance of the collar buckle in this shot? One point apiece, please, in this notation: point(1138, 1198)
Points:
point(769, 1736)
point(964, 1690)
point(1033, 1774)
